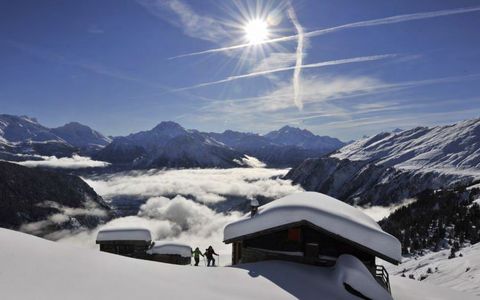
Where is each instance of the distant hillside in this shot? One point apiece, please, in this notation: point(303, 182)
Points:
point(392, 166)
point(41, 202)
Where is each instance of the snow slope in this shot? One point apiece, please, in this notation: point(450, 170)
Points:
point(59, 271)
point(391, 167)
point(451, 148)
point(460, 273)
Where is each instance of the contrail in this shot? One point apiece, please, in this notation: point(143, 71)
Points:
point(367, 23)
point(299, 58)
point(308, 66)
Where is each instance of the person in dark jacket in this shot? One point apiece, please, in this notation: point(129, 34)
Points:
point(209, 253)
point(196, 255)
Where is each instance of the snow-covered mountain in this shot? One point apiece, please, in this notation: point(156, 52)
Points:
point(170, 145)
point(22, 135)
point(285, 147)
point(80, 273)
point(81, 136)
point(392, 166)
point(451, 149)
point(23, 128)
point(292, 136)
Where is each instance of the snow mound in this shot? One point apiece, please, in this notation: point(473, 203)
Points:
point(350, 270)
point(323, 211)
point(56, 271)
point(124, 234)
point(171, 248)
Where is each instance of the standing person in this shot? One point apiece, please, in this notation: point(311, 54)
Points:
point(209, 253)
point(196, 255)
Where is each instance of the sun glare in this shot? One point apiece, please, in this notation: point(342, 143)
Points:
point(256, 31)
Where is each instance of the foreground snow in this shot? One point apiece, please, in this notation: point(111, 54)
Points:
point(460, 273)
point(33, 268)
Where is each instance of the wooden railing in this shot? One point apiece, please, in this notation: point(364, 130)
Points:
point(382, 277)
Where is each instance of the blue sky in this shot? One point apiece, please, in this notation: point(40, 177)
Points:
point(343, 68)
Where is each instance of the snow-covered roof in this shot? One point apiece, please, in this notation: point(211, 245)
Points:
point(323, 211)
point(124, 234)
point(183, 250)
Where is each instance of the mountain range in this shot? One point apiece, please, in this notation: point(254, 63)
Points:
point(25, 136)
point(166, 145)
point(392, 166)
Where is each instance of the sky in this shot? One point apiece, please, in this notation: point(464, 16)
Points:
point(343, 68)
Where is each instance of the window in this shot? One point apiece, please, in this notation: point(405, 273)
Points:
point(294, 234)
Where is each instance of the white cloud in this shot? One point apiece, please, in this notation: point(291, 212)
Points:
point(205, 185)
point(177, 219)
point(367, 23)
point(193, 24)
point(297, 86)
point(275, 60)
point(74, 162)
point(183, 217)
point(379, 212)
point(297, 97)
point(64, 215)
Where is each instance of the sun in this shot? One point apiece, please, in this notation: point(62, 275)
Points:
point(256, 31)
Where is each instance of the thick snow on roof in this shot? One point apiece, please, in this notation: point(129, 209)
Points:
point(64, 271)
point(323, 211)
point(171, 248)
point(124, 234)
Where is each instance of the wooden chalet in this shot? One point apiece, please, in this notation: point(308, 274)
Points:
point(132, 242)
point(311, 228)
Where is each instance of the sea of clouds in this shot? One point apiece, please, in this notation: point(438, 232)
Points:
point(74, 162)
point(176, 209)
point(204, 185)
point(177, 204)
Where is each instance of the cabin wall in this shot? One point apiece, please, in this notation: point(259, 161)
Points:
point(136, 249)
point(301, 244)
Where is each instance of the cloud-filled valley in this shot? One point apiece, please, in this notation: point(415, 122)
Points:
point(177, 204)
point(205, 185)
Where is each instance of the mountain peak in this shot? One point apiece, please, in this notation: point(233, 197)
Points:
point(168, 126)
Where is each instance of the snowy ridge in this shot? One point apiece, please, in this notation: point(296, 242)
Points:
point(444, 148)
point(80, 273)
point(321, 210)
point(391, 167)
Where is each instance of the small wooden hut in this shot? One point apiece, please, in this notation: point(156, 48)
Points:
point(170, 252)
point(311, 228)
point(132, 242)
